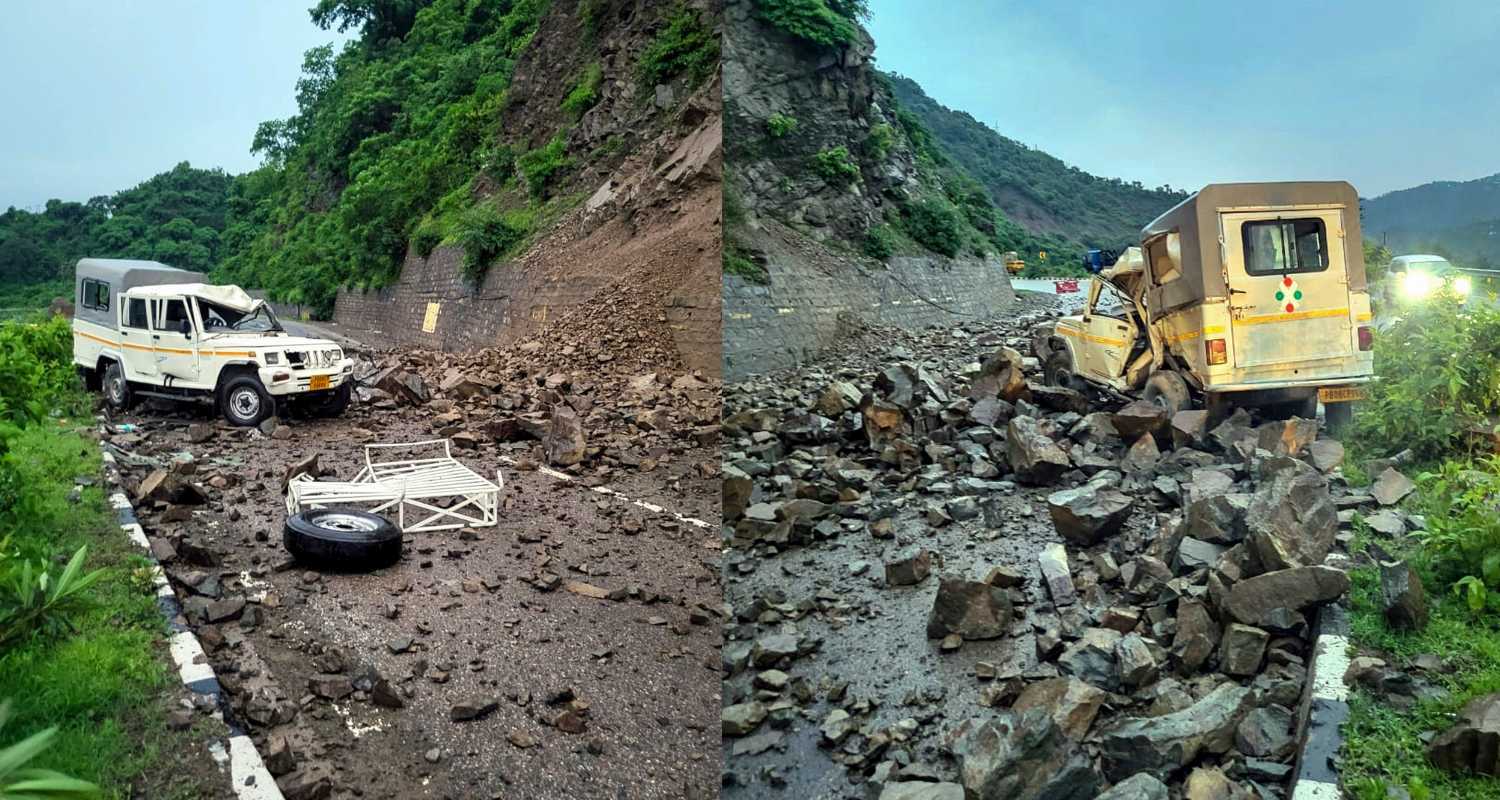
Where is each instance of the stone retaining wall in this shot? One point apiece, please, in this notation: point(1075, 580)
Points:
point(797, 313)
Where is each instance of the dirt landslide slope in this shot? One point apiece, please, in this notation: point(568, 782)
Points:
point(630, 270)
point(947, 580)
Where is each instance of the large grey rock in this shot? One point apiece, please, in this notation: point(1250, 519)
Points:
point(1142, 456)
point(1197, 635)
point(1056, 574)
point(1138, 417)
point(737, 488)
point(922, 790)
point(1072, 703)
point(1034, 457)
point(971, 609)
point(741, 718)
point(1092, 658)
point(1473, 743)
point(1391, 487)
point(1286, 437)
point(840, 396)
point(1135, 663)
point(1161, 745)
point(1021, 756)
point(1140, 786)
point(1257, 601)
point(1242, 649)
point(1194, 554)
point(1265, 732)
point(1325, 454)
point(565, 444)
point(1189, 428)
point(1086, 515)
point(1404, 599)
point(908, 568)
point(1291, 520)
point(1219, 518)
point(1000, 376)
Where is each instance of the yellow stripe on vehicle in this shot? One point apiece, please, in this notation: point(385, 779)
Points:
point(1178, 338)
point(157, 349)
point(1320, 313)
point(1363, 316)
point(1089, 337)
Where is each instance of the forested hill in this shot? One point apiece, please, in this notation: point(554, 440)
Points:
point(177, 217)
point(441, 122)
point(1459, 219)
point(1033, 188)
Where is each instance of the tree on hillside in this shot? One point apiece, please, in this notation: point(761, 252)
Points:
point(377, 20)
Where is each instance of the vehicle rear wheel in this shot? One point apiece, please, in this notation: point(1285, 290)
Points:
point(335, 402)
point(1168, 390)
point(1337, 417)
point(117, 390)
point(342, 538)
point(244, 402)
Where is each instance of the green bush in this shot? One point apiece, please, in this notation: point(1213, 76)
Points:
point(585, 92)
point(878, 142)
point(685, 45)
point(1461, 543)
point(935, 224)
point(828, 23)
point(36, 373)
point(881, 242)
point(426, 238)
point(486, 233)
point(19, 781)
point(34, 599)
point(835, 165)
point(779, 125)
point(1439, 367)
point(538, 167)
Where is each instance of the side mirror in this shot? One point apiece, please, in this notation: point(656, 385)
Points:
point(185, 327)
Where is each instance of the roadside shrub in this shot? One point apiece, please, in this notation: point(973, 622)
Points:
point(835, 165)
point(880, 242)
point(426, 238)
point(538, 167)
point(1439, 368)
point(585, 92)
point(935, 224)
point(828, 23)
point(686, 45)
point(19, 781)
point(1461, 543)
point(36, 372)
point(780, 125)
point(34, 599)
point(878, 142)
point(485, 233)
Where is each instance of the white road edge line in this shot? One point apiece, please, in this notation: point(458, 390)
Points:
point(1330, 663)
point(1316, 790)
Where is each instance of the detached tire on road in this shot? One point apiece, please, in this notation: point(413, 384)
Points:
point(344, 539)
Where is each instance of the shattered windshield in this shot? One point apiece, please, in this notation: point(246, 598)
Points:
point(217, 318)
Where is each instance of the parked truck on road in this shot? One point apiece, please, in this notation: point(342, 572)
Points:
point(144, 329)
point(1244, 294)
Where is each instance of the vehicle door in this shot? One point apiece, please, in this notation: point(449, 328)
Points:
point(176, 338)
point(1288, 286)
point(1108, 332)
point(136, 347)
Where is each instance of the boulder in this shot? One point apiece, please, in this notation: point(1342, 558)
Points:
point(1189, 427)
point(1000, 376)
point(1291, 520)
point(840, 396)
point(909, 568)
point(1391, 487)
point(883, 422)
point(1072, 703)
point(737, 488)
point(565, 444)
point(1242, 650)
point(1056, 574)
point(1473, 743)
point(1219, 519)
point(1197, 635)
point(1142, 456)
point(1286, 437)
point(922, 790)
point(1263, 599)
point(1140, 786)
point(405, 387)
point(1140, 417)
point(1092, 658)
point(970, 609)
point(741, 718)
point(1265, 732)
point(1034, 457)
point(1135, 663)
point(1059, 398)
point(1404, 600)
point(1161, 745)
point(1325, 454)
point(1086, 515)
point(1021, 756)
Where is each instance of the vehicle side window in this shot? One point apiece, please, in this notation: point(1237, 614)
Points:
point(1281, 246)
point(135, 312)
point(1110, 302)
point(173, 316)
point(95, 294)
point(1163, 270)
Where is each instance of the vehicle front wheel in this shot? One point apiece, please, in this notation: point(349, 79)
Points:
point(244, 401)
point(117, 390)
point(1168, 390)
point(335, 402)
point(1058, 371)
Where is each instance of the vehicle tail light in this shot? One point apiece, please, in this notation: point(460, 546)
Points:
point(1366, 338)
point(1218, 353)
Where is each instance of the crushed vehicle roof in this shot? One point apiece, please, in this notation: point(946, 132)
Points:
point(232, 296)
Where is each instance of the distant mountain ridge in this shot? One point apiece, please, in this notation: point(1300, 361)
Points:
point(1040, 191)
point(1459, 219)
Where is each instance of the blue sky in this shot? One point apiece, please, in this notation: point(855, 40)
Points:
point(99, 96)
point(1383, 94)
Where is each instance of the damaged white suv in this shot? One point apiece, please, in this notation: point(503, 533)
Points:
point(143, 329)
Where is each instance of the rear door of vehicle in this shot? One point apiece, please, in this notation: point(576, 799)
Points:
point(176, 351)
point(136, 346)
point(1288, 285)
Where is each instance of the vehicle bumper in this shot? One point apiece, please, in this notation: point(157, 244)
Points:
point(1310, 383)
point(282, 381)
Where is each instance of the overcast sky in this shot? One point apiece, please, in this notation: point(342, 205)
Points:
point(1383, 94)
point(98, 96)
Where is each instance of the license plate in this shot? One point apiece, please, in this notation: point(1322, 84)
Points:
point(317, 382)
point(1341, 394)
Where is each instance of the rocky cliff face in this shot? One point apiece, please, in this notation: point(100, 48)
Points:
point(629, 273)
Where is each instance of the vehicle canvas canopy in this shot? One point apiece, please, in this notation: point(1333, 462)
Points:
point(99, 282)
point(1183, 254)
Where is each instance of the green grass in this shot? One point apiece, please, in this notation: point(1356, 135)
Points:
point(1383, 744)
point(585, 91)
point(685, 45)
